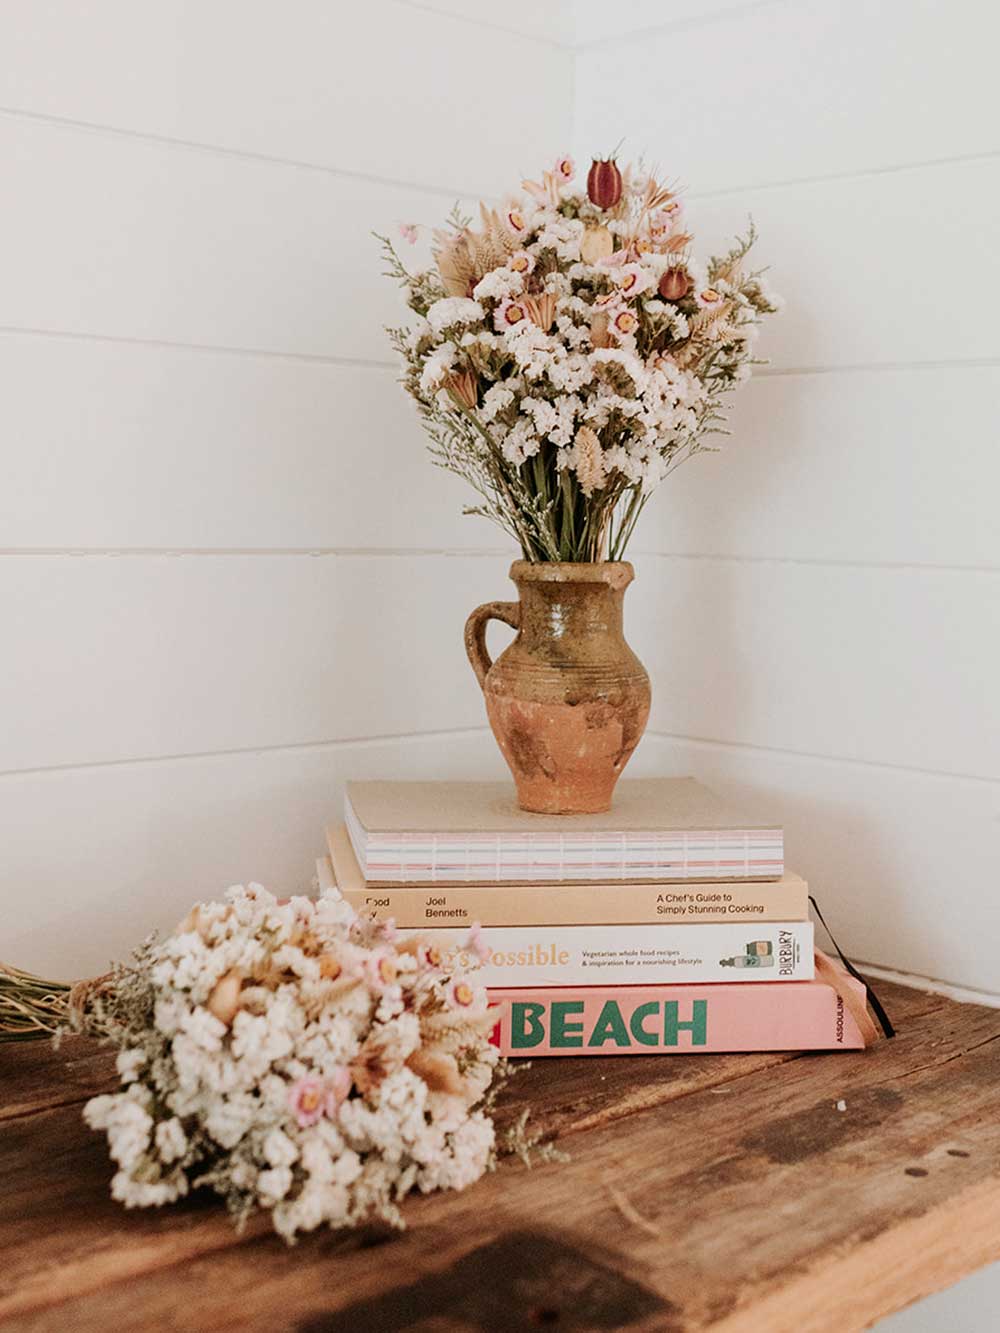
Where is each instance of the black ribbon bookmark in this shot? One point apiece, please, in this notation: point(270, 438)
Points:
point(884, 1022)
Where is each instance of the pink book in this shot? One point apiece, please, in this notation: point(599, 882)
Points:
point(664, 1020)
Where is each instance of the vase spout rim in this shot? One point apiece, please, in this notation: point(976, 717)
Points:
point(616, 573)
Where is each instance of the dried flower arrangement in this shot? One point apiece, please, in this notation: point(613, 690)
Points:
point(298, 1059)
point(570, 354)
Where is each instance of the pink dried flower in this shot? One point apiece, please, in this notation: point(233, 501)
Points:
point(389, 930)
point(515, 220)
point(625, 323)
point(380, 971)
point(307, 1098)
point(476, 944)
point(408, 231)
point(430, 956)
point(665, 220)
point(632, 279)
point(565, 168)
point(709, 298)
point(463, 995)
point(521, 262)
point(509, 313)
point(337, 1090)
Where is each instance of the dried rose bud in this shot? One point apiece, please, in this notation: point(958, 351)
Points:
point(674, 284)
point(604, 183)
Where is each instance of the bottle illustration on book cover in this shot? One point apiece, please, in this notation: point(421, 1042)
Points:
point(759, 953)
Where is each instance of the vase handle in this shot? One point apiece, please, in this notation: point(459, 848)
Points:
point(475, 633)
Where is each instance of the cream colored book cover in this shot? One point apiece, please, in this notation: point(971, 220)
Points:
point(641, 805)
point(660, 830)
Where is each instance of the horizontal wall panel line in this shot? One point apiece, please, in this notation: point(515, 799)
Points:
point(820, 562)
point(451, 192)
point(464, 553)
point(352, 743)
point(746, 747)
point(677, 25)
point(877, 367)
point(476, 22)
point(345, 552)
point(823, 178)
point(371, 363)
point(314, 358)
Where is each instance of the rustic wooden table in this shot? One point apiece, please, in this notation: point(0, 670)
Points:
point(763, 1192)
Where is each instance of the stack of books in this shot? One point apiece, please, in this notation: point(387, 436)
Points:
point(668, 923)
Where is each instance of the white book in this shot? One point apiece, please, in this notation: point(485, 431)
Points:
point(658, 830)
point(650, 955)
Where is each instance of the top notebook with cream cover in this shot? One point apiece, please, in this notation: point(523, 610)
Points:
point(658, 829)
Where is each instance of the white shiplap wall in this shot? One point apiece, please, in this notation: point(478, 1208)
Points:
point(229, 576)
point(828, 588)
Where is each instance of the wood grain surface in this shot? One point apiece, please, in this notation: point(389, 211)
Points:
point(807, 1194)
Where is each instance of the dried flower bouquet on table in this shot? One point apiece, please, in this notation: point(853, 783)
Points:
point(297, 1059)
point(569, 353)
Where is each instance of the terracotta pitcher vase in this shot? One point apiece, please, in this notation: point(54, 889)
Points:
point(568, 700)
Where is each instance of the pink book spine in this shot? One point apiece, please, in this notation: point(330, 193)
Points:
point(663, 1020)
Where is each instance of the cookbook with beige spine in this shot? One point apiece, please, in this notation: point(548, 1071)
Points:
point(570, 903)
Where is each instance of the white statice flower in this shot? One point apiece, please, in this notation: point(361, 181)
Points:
point(437, 366)
point(470, 1147)
point(520, 442)
point(278, 1148)
point(543, 414)
point(498, 285)
point(332, 910)
point(559, 234)
point(128, 1126)
point(273, 1184)
point(569, 372)
point(496, 399)
point(171, 1141)
point(169, 1013)
point(230, 1118)
point(574, 335)
point(129, 1063)
point(203, 1028)
point(453, 312)
point(420, 330)
point(133, 1193)
point(555, 419)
